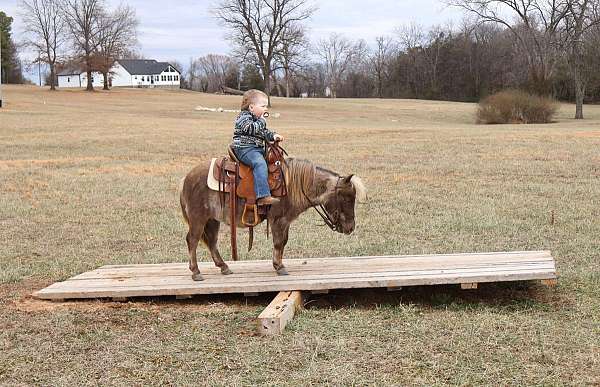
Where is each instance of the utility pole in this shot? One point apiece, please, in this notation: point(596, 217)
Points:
point(39, 69)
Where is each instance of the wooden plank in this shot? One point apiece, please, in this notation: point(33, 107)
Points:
point(270, 276)
point(468, 285)
point(473, 256)
point(362, 260)
point(279, 312)
point(259, 269)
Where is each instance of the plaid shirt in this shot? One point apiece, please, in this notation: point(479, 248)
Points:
point(251, 131)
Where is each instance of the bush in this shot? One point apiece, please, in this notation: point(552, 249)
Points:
point(515, 107)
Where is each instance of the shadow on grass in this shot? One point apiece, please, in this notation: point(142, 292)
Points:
point(506, 296)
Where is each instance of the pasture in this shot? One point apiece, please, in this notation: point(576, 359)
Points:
point(91, 179)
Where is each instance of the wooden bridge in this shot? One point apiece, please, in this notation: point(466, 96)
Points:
point(314, 274)
point(318, 275)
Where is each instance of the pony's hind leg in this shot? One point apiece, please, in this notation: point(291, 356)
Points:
point(192, 239)
point(210, 237)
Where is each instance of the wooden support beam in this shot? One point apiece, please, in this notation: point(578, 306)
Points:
point(279, 312)
point(468, 285)
point(550, 282)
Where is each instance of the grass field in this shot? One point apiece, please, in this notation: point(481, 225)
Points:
point(90, 179)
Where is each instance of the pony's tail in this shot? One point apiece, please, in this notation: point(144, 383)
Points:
point(182, 202)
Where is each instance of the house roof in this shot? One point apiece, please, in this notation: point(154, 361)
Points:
point(144, 66)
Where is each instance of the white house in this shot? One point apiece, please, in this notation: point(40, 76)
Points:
point(127, 73)
point(75, 78)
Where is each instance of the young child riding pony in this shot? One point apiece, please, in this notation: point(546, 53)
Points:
point(249, 136)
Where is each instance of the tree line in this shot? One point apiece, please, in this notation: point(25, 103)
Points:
point(79, 34)
point(550, 48)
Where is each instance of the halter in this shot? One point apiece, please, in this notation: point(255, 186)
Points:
point(332, 221)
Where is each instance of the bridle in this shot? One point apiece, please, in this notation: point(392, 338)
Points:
point(331, 220)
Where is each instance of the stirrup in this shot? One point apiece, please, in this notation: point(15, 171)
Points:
point(254, 209)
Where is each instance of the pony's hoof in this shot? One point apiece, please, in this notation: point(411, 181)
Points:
point(282, 271)
point(226, 271)
point(197, 277)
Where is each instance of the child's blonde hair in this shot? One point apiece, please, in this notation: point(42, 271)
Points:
point(250, 97)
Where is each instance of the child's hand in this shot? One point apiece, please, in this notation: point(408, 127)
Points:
point(278, 137)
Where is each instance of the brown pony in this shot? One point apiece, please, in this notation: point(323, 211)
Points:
point(308, 186)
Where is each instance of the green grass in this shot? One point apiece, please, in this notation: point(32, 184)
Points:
point(87, 180)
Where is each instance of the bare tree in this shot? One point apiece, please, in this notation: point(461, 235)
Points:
point(117, 35)
point(214, 70)
point(257, 27)
point(45, 29)
point(582, 16)
point(411, 38)
point(380, 60)
point(292, 53)
point(84, 20)
point(337, 53)
point(536, 30)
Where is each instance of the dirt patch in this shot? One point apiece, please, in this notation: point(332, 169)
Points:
point(595, 134)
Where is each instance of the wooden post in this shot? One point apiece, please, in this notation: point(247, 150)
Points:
point(281, 310)
point(468, 285)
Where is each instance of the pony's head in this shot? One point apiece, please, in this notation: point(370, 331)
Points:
point(340, 203)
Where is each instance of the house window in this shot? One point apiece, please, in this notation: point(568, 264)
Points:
point(68, 79)
point(135, 77)
point(176, 77)
point(156, 78)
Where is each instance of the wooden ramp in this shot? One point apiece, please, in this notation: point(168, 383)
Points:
point(315, 274)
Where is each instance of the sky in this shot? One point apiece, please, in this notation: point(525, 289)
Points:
point(179, 30)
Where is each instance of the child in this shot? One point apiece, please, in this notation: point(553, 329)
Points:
point(249, 136)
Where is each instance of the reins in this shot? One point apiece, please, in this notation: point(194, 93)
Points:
point(330, 221)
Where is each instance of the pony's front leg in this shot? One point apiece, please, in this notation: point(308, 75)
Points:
point(280, 238)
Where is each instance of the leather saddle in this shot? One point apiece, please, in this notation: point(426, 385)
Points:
point(235, 176)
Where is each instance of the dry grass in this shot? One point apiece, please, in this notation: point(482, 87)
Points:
point(90, 179)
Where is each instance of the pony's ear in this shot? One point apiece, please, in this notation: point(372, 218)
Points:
point(348, 179)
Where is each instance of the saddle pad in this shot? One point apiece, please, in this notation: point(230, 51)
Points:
point(211, 181)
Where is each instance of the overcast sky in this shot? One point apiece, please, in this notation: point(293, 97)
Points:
point(182, 29)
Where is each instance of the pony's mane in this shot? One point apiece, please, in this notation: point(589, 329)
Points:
point(299, 177)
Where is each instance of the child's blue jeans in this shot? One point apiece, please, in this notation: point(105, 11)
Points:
point(254, 157)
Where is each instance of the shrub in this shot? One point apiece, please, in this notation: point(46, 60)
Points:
point(515, 107)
